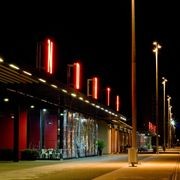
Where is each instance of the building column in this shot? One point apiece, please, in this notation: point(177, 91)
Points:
point(16, 135)
point(41, 129)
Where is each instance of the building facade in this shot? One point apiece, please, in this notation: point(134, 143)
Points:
point(38, 112)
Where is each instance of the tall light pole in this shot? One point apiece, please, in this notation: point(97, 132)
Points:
point(172, 130)
point(133, 78)
point(132, 152)
point(164, 110)
point(170, 126)
point(155, 50)
point(169, 120)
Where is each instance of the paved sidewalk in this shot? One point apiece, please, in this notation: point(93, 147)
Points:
point(156, 166)
point(152, 168)
point(128, 172)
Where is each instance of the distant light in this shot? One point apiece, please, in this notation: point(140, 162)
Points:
point(29, 74)
point(29, 95)
point(53, 85)
point(20, 92)
point(63, 90)
point(6, 99)
point(43, 100)
point(50, 123)
point(172, 122)
point(14, 67)
point(97, 106)
point(164, 80)
point(157, 46)
point(1, 60)
point(32, 106)
point(12, 90)
point(86, 101)
point(73, 94)
point(81, 98)
point(42, 80)
point(123, 118)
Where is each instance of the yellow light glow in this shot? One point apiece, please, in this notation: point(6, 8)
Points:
point(74, 95)
point(28, 73)
point(14, 66)
point(53, 85)
point(6, 100)
point(1, 60)
point(42, 80)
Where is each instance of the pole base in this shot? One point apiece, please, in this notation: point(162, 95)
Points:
point(132, 156)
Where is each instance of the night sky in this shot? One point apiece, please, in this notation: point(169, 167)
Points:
point(99, 35)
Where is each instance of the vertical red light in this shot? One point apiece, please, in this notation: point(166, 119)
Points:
point(108, 95)
point(77, 75)
point(49, 61)
point(117, 103)
point(95, 88)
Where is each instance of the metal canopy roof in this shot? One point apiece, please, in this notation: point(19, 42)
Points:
point(25, 85)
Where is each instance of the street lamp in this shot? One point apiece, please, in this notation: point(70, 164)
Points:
point(170, 130)
point(164, 110)
point(155, 50)
point(169, 119)
point(132, 152)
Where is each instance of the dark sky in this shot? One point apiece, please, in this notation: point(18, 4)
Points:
point(99, 34)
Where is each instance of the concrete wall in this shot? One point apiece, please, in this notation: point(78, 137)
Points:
point(104, 133)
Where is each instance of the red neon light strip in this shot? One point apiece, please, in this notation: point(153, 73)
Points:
point(95, 87)
point(117, 103)
point(77, 75)
point(108, 96)
point(50, 57)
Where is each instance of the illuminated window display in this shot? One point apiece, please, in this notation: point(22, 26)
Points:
point(80, 135)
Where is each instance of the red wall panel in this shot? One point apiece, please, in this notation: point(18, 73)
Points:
point(22, 129)
point(34, 130)
point(50, 131)
point(6, 131)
